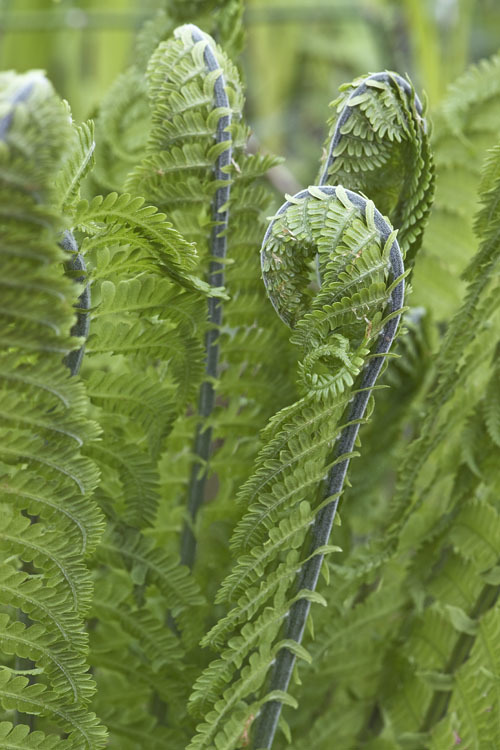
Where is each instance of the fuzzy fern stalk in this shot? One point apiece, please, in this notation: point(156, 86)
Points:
point(49, 522)
point(218, 248)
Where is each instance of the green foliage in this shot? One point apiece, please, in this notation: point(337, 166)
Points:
point(50, 523)
point(172, 460)
point(465, 127)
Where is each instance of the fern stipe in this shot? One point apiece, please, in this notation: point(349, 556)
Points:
point(206, 399)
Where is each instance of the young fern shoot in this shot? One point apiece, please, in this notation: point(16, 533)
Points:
point(206, 398)
point(322, 526)
point(321, 530)
point(49, 521)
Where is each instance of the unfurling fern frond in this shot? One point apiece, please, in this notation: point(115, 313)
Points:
point(186, 71)
point(196, 171)
point(377, 132)
point(49, 519)
point(301, 451)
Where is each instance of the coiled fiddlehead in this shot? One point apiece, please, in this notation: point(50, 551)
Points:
point(346, 329)
point(321, 529)
point(379, 147)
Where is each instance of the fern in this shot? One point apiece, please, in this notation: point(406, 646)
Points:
point(465, 125)
point(188, 171)
point(305, 433)
point(49, 521)
point(438, 580)
point(144, 387)
point(378, 128)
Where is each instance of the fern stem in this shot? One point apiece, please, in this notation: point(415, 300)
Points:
point(73, 360)
point(269, 715)
point(206, 400)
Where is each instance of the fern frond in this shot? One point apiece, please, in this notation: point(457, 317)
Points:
point(43, 604)
point(459, 356)
point(45, 425)
point(150, 230)
point(64, 670)
point(191, 107)
point(82, 726)
point(122, 128)
point(302, 437)
point(464, 129)
point(148, 563)
point(19, 737)
point(377, 132)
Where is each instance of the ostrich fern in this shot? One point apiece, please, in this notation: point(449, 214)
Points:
point(174, 462)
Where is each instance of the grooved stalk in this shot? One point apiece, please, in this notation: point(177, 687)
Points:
point(218, 244)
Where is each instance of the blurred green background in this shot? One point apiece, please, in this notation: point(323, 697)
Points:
point(297, 53)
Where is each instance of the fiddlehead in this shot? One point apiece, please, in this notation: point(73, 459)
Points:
point(346, 330)
point(378, 131)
